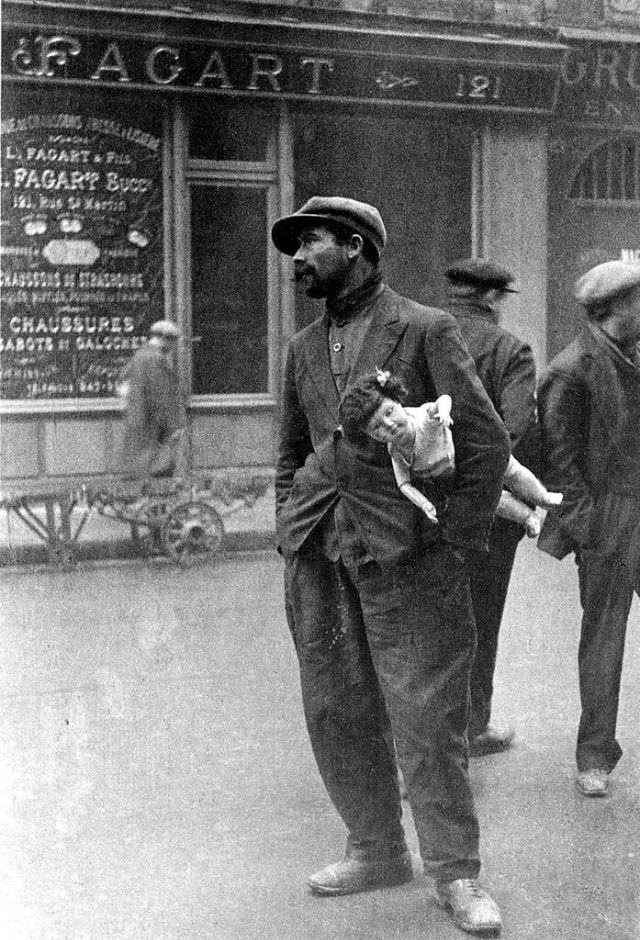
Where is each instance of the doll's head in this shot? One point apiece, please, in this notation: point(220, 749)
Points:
point(361, 408)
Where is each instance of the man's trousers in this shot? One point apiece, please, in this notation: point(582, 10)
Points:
point(393, 645)
point(490, 573)
point(606, 593)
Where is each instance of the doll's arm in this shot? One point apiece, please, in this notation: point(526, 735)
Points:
point(403, 479)
point(420, 500)
point(440, 410)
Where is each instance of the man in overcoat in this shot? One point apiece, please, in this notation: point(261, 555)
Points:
point(155, 416)
point(589, 407)
point(377, 596)
point(505, 366)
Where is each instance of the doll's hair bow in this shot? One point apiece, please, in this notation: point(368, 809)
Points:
point(382, 377)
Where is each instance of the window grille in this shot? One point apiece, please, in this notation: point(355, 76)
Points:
point(610, 174)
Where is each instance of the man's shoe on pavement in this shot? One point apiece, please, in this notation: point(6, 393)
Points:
point(473, 909)
point(593, 782)
point(358, 874)
point(490, 741)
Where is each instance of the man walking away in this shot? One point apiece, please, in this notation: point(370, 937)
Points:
point(505, 366)
point(155, 416)
point(589, 404)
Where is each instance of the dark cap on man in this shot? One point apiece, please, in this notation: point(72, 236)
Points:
point(482, 274)
point(604, 282)
point(359, 217)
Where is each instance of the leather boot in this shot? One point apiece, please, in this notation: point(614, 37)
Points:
point(473, 909)
point(363, 869)
point(490, 741)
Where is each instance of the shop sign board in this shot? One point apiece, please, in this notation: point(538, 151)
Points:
point(336, 75)
point(626, 12)
point(82, 250)
point(600, 83)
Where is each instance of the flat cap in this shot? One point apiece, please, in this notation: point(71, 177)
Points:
point(606, 281)
point(360, 217)
point(481, 273)
point(164, 328)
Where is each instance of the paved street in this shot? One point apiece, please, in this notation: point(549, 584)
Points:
point(157, 783)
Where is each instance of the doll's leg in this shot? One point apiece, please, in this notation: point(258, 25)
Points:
point(526, 485)
point(512, 508)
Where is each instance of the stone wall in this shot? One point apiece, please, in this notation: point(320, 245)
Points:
point(535, 13)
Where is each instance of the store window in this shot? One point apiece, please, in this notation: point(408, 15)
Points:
point(610, 174)
point(82, 240)
point(230, 131)
point(232, 176)
point(229, 289)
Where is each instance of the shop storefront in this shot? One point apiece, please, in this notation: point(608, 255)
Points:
point(594, 168)
point(145, 159)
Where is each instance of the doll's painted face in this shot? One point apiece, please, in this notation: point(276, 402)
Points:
point(390, 424)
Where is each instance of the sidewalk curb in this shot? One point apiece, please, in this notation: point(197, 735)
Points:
point(114, 549)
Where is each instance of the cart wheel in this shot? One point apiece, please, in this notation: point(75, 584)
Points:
point(192, 529)
point(63, 557)
point(153, 516)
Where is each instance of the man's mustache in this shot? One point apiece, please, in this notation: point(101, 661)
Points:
point(302, 271)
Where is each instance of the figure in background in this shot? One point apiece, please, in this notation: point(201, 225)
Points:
point(589, 403)
point(377, 597)
point(505, 366)
point(420, 445)
point(154, 443)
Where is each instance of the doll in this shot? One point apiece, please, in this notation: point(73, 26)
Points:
point(421, 447)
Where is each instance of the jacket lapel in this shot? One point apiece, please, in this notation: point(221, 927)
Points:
point(382, 337)
point(384, 333)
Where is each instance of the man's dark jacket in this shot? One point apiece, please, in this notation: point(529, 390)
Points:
point(317, 466)
point(507, 370)
point(589, 405)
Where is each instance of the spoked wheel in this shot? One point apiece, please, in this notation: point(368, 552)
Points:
point(154, 516)
point(192, 530)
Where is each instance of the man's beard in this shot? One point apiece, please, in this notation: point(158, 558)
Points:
point(317, 289)
point(316, 286)
point(313, 288)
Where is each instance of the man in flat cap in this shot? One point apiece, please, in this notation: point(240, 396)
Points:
point(377, 596)
point(505, 365)
point(155, 415)
point(589, 407)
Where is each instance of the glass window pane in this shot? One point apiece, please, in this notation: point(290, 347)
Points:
point(221, 131)
point(229, 285)
point(82, 238)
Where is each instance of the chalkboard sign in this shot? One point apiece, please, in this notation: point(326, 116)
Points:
point(82, 247)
